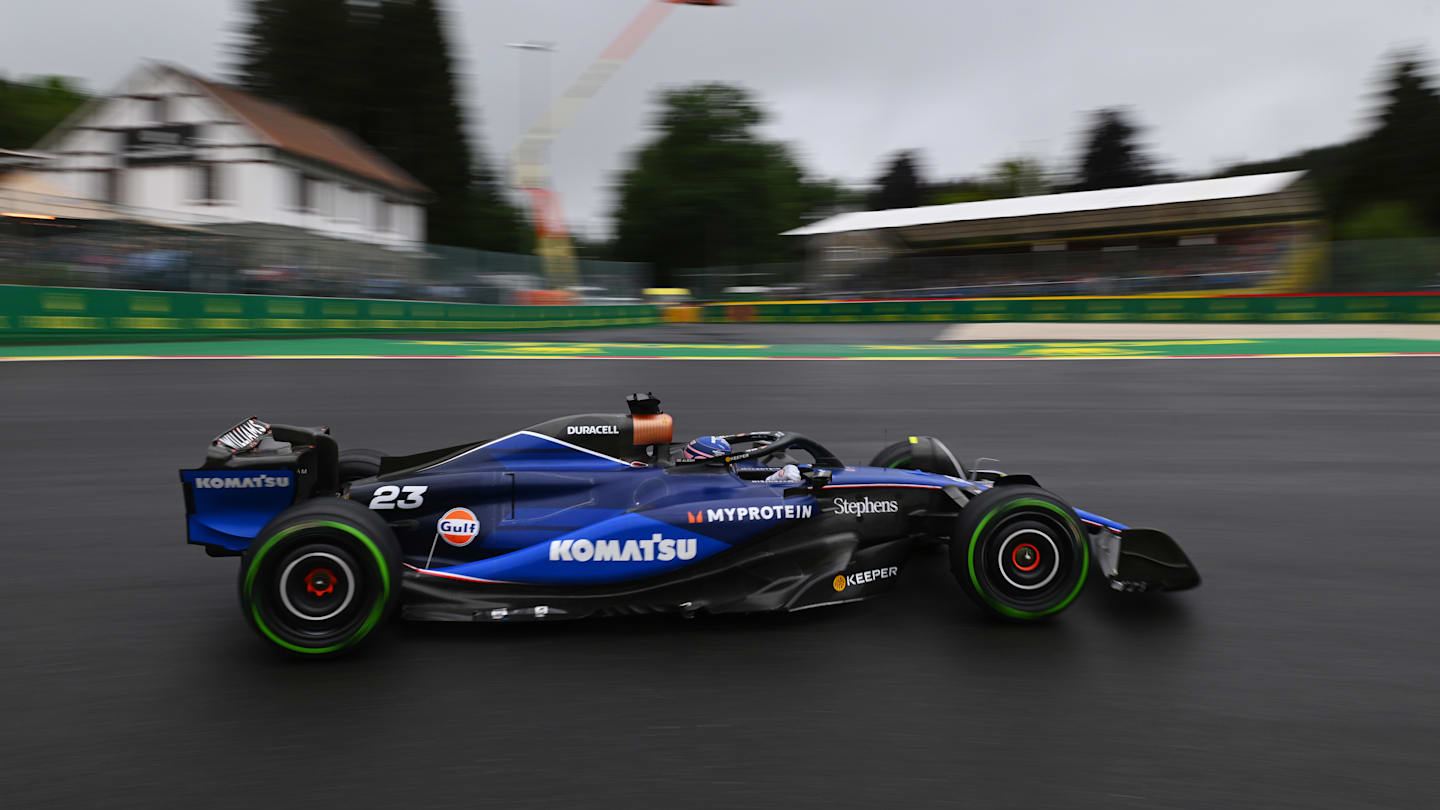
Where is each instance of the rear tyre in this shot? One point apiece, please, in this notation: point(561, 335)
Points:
point(359, 462)
point(320, 577)
point(924, 453)
point(1019, 552)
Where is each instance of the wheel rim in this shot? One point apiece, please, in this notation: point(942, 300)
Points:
point(317, 586)
point(1027, 559)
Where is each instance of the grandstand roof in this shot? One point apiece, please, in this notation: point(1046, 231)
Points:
point(1223, 188)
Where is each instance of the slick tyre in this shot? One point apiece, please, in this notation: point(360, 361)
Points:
point(359, 462)
point(1019, 552)
point(924, 453)
point(320, 577)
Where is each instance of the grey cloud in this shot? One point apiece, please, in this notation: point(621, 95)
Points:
point(850, 80)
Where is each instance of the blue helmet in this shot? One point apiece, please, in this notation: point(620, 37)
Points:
point(706, 446)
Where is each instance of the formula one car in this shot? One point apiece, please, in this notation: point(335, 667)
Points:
point(601, 514)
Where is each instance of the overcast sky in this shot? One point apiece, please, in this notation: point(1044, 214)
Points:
point(850, 81)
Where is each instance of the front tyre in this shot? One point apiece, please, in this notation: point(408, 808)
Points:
point(1019, 552)
point(320, 577)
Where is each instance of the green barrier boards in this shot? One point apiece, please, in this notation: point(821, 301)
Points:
point(66, 313)
point(1396, 308)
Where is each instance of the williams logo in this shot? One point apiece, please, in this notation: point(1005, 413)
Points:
point(248, 482)
point(659, 548)
point(865, 506)
point(841, 582)
point(592, 430)
point(788, 511)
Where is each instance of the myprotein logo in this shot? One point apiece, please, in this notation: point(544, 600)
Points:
point(592, 430)
point(728, 514)
point(657, 547)
point(248, 482)
point(865, 506)
point(843, 581)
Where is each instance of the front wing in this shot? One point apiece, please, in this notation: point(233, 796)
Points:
point(1137, 560)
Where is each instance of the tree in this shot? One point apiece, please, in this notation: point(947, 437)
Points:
point(1013, 177)
point(1387, 180)
point(1112, 158)
point(420, 125)
point(1398, 160)
point(708, 191)
point(297, 52)
point(900, 186)
point(1018, 177)
point(382, 69)
point(28, 110)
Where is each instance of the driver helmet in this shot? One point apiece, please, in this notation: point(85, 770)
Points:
point(706, 447)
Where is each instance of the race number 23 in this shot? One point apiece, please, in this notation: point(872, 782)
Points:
point(389, 497)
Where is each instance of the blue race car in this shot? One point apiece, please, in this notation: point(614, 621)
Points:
point(602, 514)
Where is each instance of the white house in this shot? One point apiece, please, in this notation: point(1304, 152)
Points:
point(177, 148)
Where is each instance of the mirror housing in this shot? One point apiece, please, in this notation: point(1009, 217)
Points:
point(815, 480)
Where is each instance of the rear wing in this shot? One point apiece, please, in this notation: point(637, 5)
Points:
point(253, 472)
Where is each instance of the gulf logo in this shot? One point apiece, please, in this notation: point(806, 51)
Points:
point(458, 527)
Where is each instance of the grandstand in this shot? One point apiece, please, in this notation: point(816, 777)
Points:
point(1255, 233)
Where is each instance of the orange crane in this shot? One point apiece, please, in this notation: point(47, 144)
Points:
point(530, 171)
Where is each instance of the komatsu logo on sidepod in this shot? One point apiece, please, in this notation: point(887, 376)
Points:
point(788, 511)
point(248, 482)
point(656, 548)
point(865, 506)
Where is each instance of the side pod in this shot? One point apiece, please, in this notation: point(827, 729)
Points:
point(1138, 560)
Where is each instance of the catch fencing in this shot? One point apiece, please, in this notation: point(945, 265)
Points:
point(99, 245)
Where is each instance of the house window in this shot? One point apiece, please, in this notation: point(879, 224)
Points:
point(159, 109)
point(322, 196)
point(208, 183)
point(111, 186)
point(304, 198)
point(350, 203)
point(382, 214)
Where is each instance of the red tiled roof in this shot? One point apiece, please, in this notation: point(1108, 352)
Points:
point(311, 138)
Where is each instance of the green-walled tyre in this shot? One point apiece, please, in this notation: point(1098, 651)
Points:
point(320, 577)
point(924, 453)
point(1020, 552)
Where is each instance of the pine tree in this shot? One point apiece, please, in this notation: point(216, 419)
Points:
point(1399, 161)
point(900, 186)
point(421, 126)
point(382, 69)
point(295, 52)
point(1112, 158)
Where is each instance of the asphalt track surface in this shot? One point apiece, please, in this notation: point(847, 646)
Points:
point(1301, 674)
